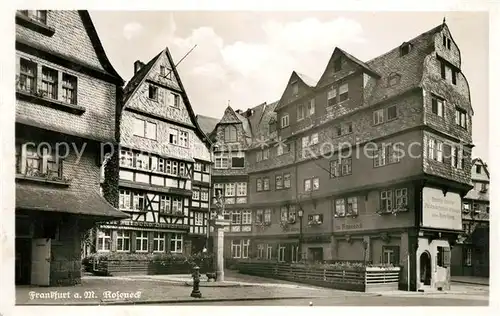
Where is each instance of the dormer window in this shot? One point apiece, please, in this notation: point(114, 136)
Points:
point(37, 15)
point(405, 49)
point(337, 64)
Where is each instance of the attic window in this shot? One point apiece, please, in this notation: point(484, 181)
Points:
point(446, 42)
point(153, 92)
point(230, 134)
point(478, 169)
point(405, 49)
point(295, 88)
point(337, 64)
point(162, 71)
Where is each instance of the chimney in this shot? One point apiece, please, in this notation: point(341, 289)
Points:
point(137, 66)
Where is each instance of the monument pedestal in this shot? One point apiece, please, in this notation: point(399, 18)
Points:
point(219, 223)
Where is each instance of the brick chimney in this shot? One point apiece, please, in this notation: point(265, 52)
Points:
point(138, 65)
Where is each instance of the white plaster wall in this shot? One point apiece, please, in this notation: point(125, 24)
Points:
point(440, 275)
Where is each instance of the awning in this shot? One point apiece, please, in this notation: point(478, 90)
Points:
point(39, 198)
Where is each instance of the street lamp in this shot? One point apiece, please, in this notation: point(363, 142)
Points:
point(300, 214)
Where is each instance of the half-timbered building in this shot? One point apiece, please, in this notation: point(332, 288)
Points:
point(164, 162)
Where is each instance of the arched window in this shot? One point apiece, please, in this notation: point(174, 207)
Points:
point(230, 133)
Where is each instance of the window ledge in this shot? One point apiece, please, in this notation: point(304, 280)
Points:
point(34, 25)
point(65, 183)
point(55, 104)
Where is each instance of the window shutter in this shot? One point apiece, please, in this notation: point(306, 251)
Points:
point(434, 106)
point(446, 257)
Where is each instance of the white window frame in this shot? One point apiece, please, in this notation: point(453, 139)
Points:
point(159, 242)
point(105, 236)
point(230, 189)
point(340, 207)
point(386, 195)
point(236, 249)
point(305, 141)
point(138, 127)
point(198, 219)
point(183, 139)
point(266, 184)
point(401, 197)
point(287, 178)
point(177, 241)
point(140, 237)
point(196, 193)
point(260, 251)
point(175, 133)
point(307, 185)
point(122, 235)
point(204, 194)
point(265, 154)
point(315, 184)
point(311, 107)
point(241, 189)
point(259, 185)
point(245, 248)
point(314, 139)
point(125, 199)
point(246, 217)
point(378, 117)
point(281, 253)
point(300, 112)
point(269, 252)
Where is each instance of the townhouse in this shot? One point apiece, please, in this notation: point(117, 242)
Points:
point(471, 254)
point(164, 167)
point(368, 163)
point(67, 103)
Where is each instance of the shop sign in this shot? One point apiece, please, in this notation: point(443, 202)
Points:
point(440, 210)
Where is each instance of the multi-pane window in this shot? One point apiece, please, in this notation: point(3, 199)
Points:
point(343, 92)
point(401, 197)
point(104, 240)
point(386, 200)
point(69, 86)
point(269, 252)
point(258, 156)
point(124, 200)
point(278, 182)
point(141, 241)
point(177, 205)
point(221, 161)
point(183, 139)
point(435, 150)
point(461, 118)
point(437, 106)
point(259, 216)
point(159, 242)
point(281, 253)
point(165, 204)
point(176, 243)
point(311, 107)
point(311, 184)
point(173, 136)
point(173, 100)
point(230, 189)
point(260, 251)
point(230, 134)
point(340, 207)
point(241, 189)
point(282, 148)
point(267, 216)
point(144, 128)
point(138, 201)
point(314, 139)
point(123, 240)
point(386, 154)
point(385, 115)
point(198, 219)
point(390, 255)
point(196, 193)
point(285, 122)
point(352, 206)
point(27, 76)
point(37, 161)
point(346, 166)
point(204, 194)
point(287, 213)
point(332, 96)
point(246, 217)
point(307, 185)
point(266, 184)
point(287, 180)
point(235, 249)
point(40, 16)
point(235, 217)
point(300, 112)
point(49, 82)
point(315, 184)
point(448, 73)
point(259, 184)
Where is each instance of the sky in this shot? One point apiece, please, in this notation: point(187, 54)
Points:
point(246, 58)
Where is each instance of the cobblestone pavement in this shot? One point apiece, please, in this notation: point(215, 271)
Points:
point(109, 290)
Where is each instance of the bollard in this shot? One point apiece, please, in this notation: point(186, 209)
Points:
point(196, 282)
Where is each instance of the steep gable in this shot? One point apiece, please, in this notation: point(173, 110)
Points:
point(295, 89)
point(342, 64)
point(169, 100)
point(230, 117)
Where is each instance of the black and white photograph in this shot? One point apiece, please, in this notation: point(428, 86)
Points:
point(266, 157)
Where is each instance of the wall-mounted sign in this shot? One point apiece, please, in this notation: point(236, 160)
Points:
point(141, 224)
point(352, 226)
point(440, 211)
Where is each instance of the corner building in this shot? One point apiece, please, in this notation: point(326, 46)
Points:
point(164, 167)
point(374, 155)
point(67, 101)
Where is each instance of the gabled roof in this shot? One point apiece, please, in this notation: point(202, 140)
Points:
point(207, 123)
point(138, 78)
point(310, 82)
point(96, 43)
point(363, 65)
point(479, 161)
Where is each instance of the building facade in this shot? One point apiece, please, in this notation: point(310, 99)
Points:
point(66, 109)
point(164, 167)
point(471, 254)
point(369, 163)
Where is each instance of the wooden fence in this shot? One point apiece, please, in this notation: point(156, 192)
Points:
point(142, 267)
point(363, 280)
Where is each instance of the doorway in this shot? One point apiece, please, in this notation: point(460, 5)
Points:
point(316, 254)
point(425, 268)
point(23, 261)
